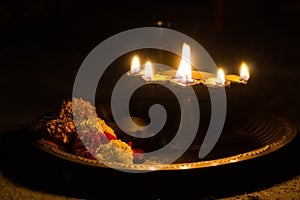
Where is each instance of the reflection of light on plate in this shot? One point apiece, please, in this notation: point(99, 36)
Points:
point(138, 127)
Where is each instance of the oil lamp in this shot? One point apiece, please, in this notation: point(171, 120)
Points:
point(151, 76)
point(243, 77)
point(183, 76)
point(218, 81)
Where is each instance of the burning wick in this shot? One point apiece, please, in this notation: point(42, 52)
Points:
point(148, 75)
point(221, 77)
point(135, 68)
point(243, 77)
point(217, 81)
point(184, 73)
point(244, 72)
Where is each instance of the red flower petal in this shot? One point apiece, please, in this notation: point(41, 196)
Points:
point(109, 136)
point(137, 151)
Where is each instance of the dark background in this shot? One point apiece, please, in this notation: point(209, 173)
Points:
point(43, 43)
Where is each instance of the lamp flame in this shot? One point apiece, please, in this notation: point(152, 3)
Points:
point(185, 69)
point(135, 65)
point(148, 71)
point(244, 72)
point(221, 77)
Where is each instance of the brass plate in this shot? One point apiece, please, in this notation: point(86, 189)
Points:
point(257, 135)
